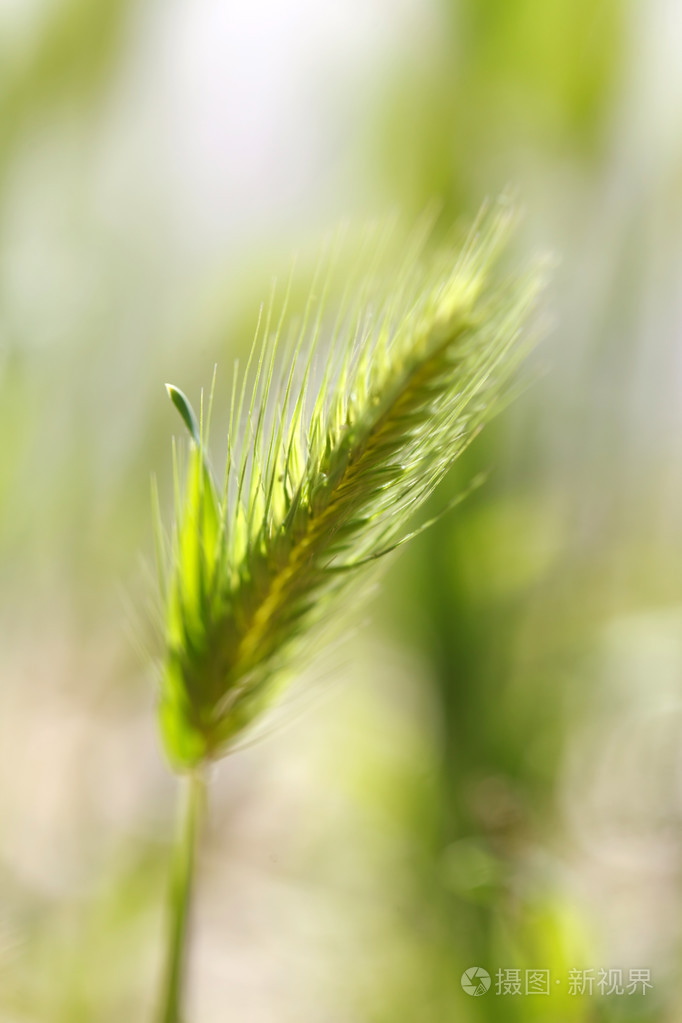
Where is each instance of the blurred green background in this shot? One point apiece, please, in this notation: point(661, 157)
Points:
point(489, 772)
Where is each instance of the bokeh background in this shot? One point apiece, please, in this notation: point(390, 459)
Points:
point(488, 772)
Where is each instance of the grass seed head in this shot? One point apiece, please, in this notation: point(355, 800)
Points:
point(330, 453)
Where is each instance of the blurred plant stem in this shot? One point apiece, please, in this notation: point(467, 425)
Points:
point(192, 810)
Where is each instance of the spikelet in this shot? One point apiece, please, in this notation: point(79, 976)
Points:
point(323, 476)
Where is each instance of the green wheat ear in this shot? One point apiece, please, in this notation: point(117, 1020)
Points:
point(338, 447)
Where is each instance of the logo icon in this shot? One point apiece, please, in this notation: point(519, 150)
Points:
point(475, 981)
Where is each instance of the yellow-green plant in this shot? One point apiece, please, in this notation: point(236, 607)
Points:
point(330, 453)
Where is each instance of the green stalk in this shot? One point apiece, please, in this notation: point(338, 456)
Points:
point(180, 897)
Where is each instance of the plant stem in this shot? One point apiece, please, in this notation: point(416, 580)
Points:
point(182, 877)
